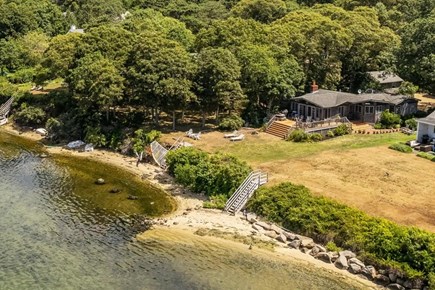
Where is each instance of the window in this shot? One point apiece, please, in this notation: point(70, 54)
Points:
point(378, 109)
point(369, 109)
point(359, 109)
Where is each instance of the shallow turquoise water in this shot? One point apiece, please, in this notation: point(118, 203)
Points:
point(49, 239)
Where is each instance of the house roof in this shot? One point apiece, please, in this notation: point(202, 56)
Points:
point(329, 99)
point(428, 120)
point(384, 77)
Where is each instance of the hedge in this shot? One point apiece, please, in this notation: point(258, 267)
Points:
point(401, 148)
point(408, 249)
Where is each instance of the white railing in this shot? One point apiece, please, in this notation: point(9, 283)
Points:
point(241, 196)
point(5, 108)
point(270, 122)
point(159, 153)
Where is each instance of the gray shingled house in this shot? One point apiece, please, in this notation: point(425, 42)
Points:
point(386, 80)
point(324, 104)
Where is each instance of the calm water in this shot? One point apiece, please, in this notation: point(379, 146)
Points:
point(50, 238)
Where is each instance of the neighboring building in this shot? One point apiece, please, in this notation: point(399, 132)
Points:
point(386, 80)
point(74, 29)
point(426, 128)
point(323, 104)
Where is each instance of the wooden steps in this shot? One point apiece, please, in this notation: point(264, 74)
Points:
point(278, 129)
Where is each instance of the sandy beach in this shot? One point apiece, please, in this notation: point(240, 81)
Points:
point(190, 218)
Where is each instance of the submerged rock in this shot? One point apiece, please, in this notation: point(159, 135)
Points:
point(114, 190)
point(100, 181)
point(132, 197)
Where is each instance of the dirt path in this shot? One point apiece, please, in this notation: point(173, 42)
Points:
point(376, 180)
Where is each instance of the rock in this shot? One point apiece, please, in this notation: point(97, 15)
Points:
point(114, 190)
point(270, 234)
point(43, 155)
point(100, 181)
point(275, 228)
point(393, 277)
point(264, 225)
point(355, 268)
point(369, 272)
point(175, 223)
point(41, 131)
point(314, 251)
point(251, 218)
point(281, 238)
point(382, 279)
point(341, 263)
point(347, 254)
point(334, 256)
point(400, 281)
point(407, 284)
point(132, 197)
point(306, 242)
point(395, 286)
point(289, 236)
point(305, 250)
point(356, 261)
point(295, 244)
point(321, 248)
point(323, 256)
point(362, 276)
point(257, 227)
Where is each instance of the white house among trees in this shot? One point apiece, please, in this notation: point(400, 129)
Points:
point(426, 128)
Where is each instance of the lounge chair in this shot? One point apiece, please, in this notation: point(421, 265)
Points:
point(235, 133)
point(238, 138)
point(190, 132)
point(196, 136)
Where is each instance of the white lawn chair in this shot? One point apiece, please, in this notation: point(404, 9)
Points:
point(196, 136)
point(190, 132)
point(238, 138)
point(235, 133)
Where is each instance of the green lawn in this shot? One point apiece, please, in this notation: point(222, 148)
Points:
point(261, 150)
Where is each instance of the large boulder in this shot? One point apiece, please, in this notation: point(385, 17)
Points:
point(275, 228)
point(348, 254)
point(341, 263)
point(382, 280)
point(334, 256)
point(289, 236)
point(355, 269)
point(369, 272)
point(356, 261)
point(264, 225)
point(395, 286)
point(270, 234)
point(281, 238)
point(393, 277)
point(320, 247)
point(306, 242)
point(323, 256)
point(295, 244)
point(257, 227)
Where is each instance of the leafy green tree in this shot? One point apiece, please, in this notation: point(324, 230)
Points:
point(95, 83)
point(97, 12)
point(217, 81)
point(265, 11)
point(159, 73)
point(407, 88)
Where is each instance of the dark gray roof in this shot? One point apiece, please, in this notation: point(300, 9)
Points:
point(384, 77)
point(428, 120)
point(330, 99)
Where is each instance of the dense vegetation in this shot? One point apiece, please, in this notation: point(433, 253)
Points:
point(215, 175)
point(139, 60)
point(401, 147)
point(375, 239)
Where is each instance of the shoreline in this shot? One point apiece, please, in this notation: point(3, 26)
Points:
point(189, 217)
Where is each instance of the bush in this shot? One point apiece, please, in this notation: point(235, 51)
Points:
point(426, 155)
point(22, 76)
point(29, 116)
point(389, 120)
point(401, 148)
point(213, 174)
point(378, 126)
point(330, 134)
point(298, 135)
point(411, 124)
point(316, 137)
point(216, 201)
point(341, 130)
point(410, 250)
point(232, 122)
point(94, 136)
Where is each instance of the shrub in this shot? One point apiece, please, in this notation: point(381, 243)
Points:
point(294, 207)
point(216, 201)
point(94, 136)
point(213, 174)
point(331, 246)
point(411, 124)
point(431, 278)
point(378, 126)
point(389, 120)
point(22, 76)
point(316, 137)
point(232, 122)
point(29, 116)
point(330, 134)
point(401, 148)
point(341, 130)
point(426, 155)
point(298, 135)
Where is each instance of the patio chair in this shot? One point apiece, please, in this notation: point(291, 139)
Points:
point(238, 138)
point(235, 133)
point(190, 132)
point(196, 136)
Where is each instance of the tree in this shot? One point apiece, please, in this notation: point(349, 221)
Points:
point(407, 88)
point(159, 73)
point(95, 83)
point(265, 11)
point(416, 56)
point(217, 81)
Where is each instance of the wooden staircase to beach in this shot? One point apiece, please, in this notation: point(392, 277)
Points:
point(278, 129)
point(241, 196)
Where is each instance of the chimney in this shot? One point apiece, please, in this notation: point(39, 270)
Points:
point(314, 87)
